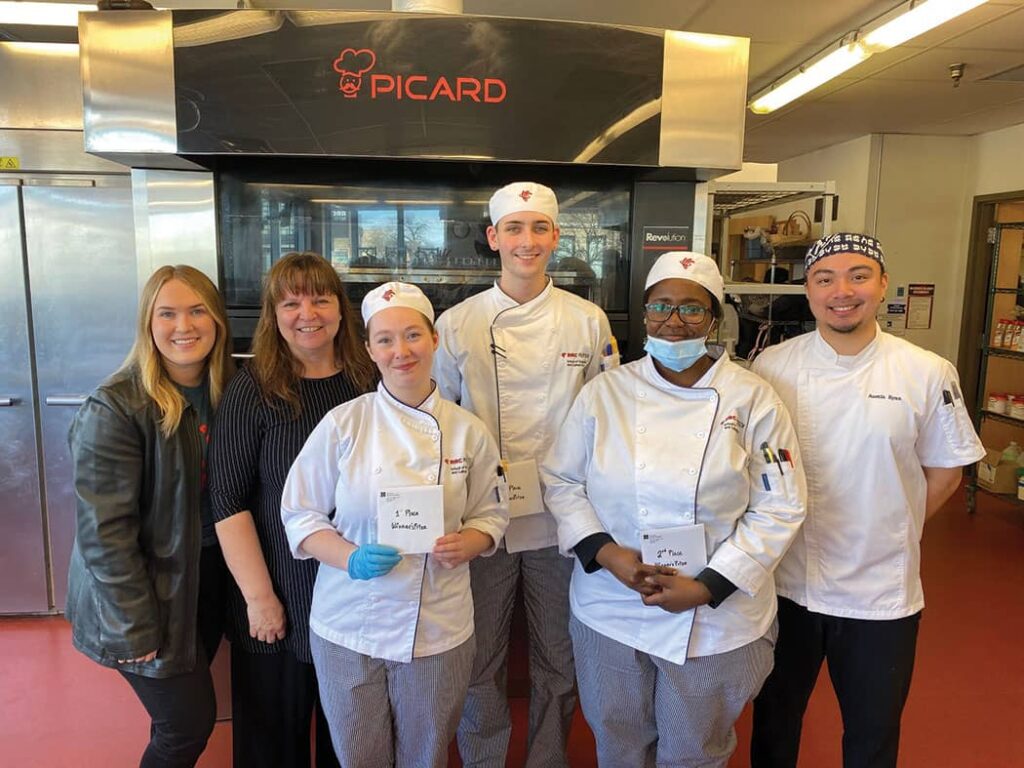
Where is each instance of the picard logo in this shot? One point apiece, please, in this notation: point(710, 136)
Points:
point(355, 69)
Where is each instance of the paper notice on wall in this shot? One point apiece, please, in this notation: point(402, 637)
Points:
point(892, 317)
point(920, 300)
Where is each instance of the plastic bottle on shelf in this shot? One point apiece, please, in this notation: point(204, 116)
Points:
point(1012, 335)
point(1016, 409)
point(1020, 337)
point(997, 403)
point(999, 337)
point(1011, 453)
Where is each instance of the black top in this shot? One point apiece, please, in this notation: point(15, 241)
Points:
point(199, 399)
point(253, 447)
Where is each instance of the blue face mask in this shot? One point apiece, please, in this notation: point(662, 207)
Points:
point(676, 355)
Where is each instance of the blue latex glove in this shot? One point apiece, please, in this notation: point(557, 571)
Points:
point(372, 560)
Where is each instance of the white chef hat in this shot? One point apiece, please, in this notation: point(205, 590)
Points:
point(523, 196)
point(695, 267)
point(395, 294)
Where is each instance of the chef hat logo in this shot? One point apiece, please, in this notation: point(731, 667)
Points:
point(695, 267)
point(352, 64)
point(522, 196)
point(396, 294)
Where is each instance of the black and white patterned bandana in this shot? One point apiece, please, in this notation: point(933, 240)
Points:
point(844, 242)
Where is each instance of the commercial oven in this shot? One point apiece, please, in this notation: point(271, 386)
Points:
point(376, 139)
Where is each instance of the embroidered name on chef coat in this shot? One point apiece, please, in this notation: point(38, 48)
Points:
point(458, 466)
point(576, 359)
point(732, 422)
point(872, 396)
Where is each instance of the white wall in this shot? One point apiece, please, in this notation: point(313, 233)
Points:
point(848, 164)
point(753, 172)
point(920, 222)
point(999, 162)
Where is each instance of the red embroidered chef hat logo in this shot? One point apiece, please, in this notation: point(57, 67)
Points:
point(687, 262)
point(526, 195)
point(352, 64)
point(389, 294)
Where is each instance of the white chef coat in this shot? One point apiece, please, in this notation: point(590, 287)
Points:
point(867, 424)
point(638, 452)
point(358, 449)
point(544, 351)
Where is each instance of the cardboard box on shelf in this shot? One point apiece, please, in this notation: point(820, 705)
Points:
point(997, 475)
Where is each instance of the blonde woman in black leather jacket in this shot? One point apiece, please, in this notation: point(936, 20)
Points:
point(146, 579)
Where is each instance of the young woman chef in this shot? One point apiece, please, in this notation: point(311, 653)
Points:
point(412, 482)
point(677, 483)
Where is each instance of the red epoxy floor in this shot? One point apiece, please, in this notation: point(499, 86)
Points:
point(966, 704)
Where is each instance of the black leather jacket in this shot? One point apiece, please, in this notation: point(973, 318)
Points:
point(133, 584)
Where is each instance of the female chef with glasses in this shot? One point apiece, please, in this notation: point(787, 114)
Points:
point(394, 493)
point(677, 484)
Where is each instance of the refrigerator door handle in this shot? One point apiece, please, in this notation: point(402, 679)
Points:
point(7, 402)
point(75, 400)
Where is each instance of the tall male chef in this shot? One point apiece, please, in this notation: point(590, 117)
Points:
point(516, 355)
point(883, 433)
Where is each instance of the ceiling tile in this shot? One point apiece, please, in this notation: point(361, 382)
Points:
point(1006, 33)
point(934, 64)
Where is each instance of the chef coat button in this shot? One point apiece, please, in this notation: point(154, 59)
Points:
point(713, 398)
point(435, 437)
point(693, 471)
point(641, 429)
point(641, 465)
point(700, 434)
point(643, 511)
point(547, 365)
point(376, 470)
point(432, 478)
point(641, 394)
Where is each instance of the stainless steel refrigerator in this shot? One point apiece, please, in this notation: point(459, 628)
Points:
point(68, 297)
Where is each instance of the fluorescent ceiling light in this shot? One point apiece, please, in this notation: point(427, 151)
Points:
point(42, 14)
point(894, 28)
point(916, 20)
point(810, 77)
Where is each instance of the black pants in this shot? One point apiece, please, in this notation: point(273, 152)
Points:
point(273, 700)
point(183, 707)
point(870, 664)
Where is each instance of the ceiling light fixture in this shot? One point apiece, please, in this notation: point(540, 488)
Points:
point(903, 23)
point(42, 14)
point(810, 76)
point(913, 19)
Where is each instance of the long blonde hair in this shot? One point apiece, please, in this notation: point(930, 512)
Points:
point(275, 368)
point(145, 359)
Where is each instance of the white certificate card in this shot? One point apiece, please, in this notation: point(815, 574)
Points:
point(524, 497)
point(681, 547)
point(410, 518)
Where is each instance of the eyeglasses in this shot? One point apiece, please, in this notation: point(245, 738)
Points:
point(691, 314)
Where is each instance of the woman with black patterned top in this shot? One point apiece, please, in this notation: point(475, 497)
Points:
point(308, 357)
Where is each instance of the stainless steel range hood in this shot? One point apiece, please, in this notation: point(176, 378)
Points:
point(168, 90)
